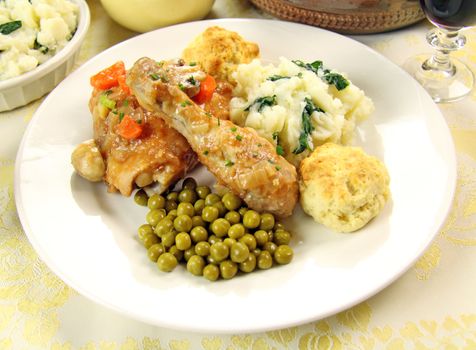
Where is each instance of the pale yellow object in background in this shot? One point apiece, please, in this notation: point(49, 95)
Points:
point(145, 15)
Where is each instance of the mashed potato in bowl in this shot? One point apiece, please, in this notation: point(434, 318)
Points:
point(32, 32)
point(297, 105)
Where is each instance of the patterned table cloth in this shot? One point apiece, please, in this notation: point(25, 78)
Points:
point(432, 306)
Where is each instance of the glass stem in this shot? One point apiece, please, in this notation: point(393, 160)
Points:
point(444, 41)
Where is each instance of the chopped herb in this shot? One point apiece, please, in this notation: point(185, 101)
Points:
point(275, 135)
point(154, 76)
point(160, 63)
point(164, 79)
point(185, 103)
point(37, 46)
point(263, 102)
point(239, 137)
point(192, 80)
point(307, 126)
point(106, 102)
point(299, 75)
point(208, 114)
point(114, 112)
point(233, 129)
point(126, 103)
point(205, 152)
point(181, 87)
point(259, 144)
point(228, 163)
point(313, 67)
point(280, 150)
point(271, 161)
point(337, 80)
point(139, 121)
point(107, 92)
point(218, 121)
point(9, 27)
point(121, 116)
point(192, 64)
point(277, 167)
point(277, 77)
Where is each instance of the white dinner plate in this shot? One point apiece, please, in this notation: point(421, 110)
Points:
point(88, 236)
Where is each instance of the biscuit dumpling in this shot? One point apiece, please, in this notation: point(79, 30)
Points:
point(342, 187)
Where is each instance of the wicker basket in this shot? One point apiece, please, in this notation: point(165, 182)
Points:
point(346, 16)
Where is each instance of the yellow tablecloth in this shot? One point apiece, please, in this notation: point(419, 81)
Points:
point(432, 306)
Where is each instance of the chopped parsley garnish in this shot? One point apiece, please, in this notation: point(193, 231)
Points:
point(9, 27)
point(185, 103)
point(121, 116)
point(233, 129)
point(192, 80)
point(107, 102)
point(206, 152)
point(139, 121)
point(262, 102)
point(331, 78)
point(181, 87)
point(277, 167)
point(37, 46)
point(307, 126)
point(154, 76)
point(229, 163)
point(277, 77)
point(191, 64)
point(239, 137)
point(280, 150)
point(208, 114)
point(126, 103)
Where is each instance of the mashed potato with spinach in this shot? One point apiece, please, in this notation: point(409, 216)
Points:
point(33, 31)
point(297, 105)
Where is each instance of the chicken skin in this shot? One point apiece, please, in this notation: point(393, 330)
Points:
point(239, 158)
point(159, 157)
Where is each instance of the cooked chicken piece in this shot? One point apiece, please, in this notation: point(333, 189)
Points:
point(159, 155)
point(239, 158)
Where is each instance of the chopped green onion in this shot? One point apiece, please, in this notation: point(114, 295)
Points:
point(107, 102)
point(239, 137)
point(9, 27)
point(228, 163)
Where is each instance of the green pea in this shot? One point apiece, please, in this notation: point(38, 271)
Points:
point(211, 260)
point(187, 196)
point(283, 254)
point(231, 201)
point(141, 198)
point(251, 219)
point(214, 239)
point(183, 223)
point(183, 241)
point(210, 213)
point(220, 227)
point(249, 240)
point(265, 260)
point(233, 217)
point(189, 183)
point(261, 237)
point(281, 237)
point(149, 240)
point(211, 272)
point(198, 206)
point(203, 191)
point(185, 209)
point(176, 252)
point(167, 262)
point(219, 251)
point(242, 211)
point(229, 241)
point(239, 252)
point(221, 208)
point(172, 214)
point(199, 234)
point(249, 264)
point(144, 230)
point(195, 265)
point(154, 216)
point(270, 247)
point(165, 225)
point(156, 201)
point(236, 231)
point(228, 269)
point(267, 222)
point(155, 251)
point(168, 239)
point(211, 199)
point(198, 221)
point(189, 253)
point(256, 252)
point(279, 226)
point(172, 196)
point(170, 204)
point(202, 248)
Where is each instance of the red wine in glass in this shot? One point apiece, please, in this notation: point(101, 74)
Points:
point(450, 14)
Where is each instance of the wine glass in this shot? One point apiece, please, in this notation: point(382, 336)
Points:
point(446, 79)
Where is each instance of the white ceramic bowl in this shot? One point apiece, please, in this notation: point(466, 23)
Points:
point(20, 90)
